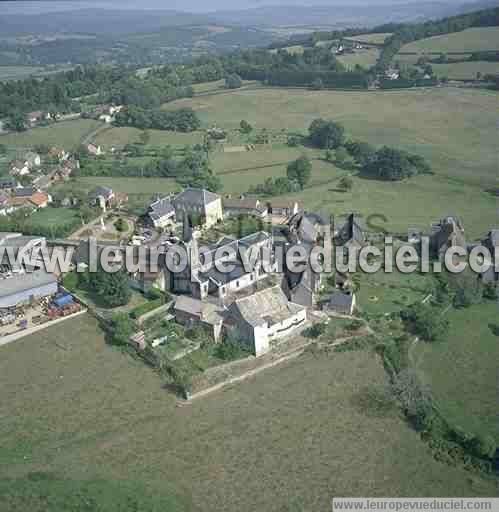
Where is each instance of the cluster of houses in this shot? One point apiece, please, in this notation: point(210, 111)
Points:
point(258, 306)
point(29, 171)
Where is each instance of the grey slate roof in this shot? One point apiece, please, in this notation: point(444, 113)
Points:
point(105, 192)
point(350, 232)
point(8, 183)
point(161, 208)
point(267, 306)
point(196, 196)
point(204, 311)
point(340, 300)
point(24, 192)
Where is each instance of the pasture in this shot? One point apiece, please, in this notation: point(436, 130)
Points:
point(365, 58)
point(23, 72)
point(288, 439)
point(462, 369)
point(371, 38)
point(469, 40)
point(126, 135)
point(53, 216)
point(455, 129)
point(465, 70)
point(66, 134)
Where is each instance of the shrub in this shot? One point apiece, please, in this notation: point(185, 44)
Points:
point(315, 330)
point(230, 350)
point(483, 446)
point(425, 321)
point(121, 225)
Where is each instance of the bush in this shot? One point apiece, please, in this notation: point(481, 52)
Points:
point(345, 183)
point(483, 446)
point(315, 330)
point(425, 321)
point(230, 350)
point(121, 225)
point(146, 308)
point(70, 281)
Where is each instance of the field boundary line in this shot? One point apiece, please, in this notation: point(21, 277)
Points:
point(27, 332)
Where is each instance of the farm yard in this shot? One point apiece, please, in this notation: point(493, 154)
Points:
point(123, 427)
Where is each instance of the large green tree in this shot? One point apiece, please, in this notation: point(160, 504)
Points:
point(300, 171)
point(326, 134)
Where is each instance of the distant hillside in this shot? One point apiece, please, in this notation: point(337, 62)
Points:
point(347, 15)
point(98, 21)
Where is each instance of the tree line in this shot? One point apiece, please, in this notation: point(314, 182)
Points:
point(182, 120)
point(408, 33)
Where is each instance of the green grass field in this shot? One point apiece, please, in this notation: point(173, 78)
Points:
point(53, 216)
point(23, 72)
point(66, 134)
point(454, 128)
point(288, 439)
point(365, 58)
point(371, 38)
point(465, 70)
point(121, 136)
point(129, 185)
point(470, 40)
point(462, 369)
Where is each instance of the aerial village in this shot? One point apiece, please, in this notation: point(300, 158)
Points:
point(260, 310)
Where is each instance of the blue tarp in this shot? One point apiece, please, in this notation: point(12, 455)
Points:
point(63, 300)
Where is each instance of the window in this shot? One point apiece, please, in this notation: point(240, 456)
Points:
point(237, 284)
point(252, 277)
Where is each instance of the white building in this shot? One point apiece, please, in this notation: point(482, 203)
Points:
point(265, 317)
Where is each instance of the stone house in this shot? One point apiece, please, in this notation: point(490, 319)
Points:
point(199, 205)
point(193, 312)
point(244, 206)
point(263, 318)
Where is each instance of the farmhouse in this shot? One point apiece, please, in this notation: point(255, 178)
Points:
point(94, 150)
point(32, 118)
point(58, 154)
point(244, 206)
point(32, 159)
point(24, 288)
point(161, 213)
point(19, 168)
point(351, 234)
point(101, 196)
point(200, 206)
point(342, 302)
point(264, 317)
point(30, 196)
point(193, 312)
point(282, 208)
point(449, 232)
